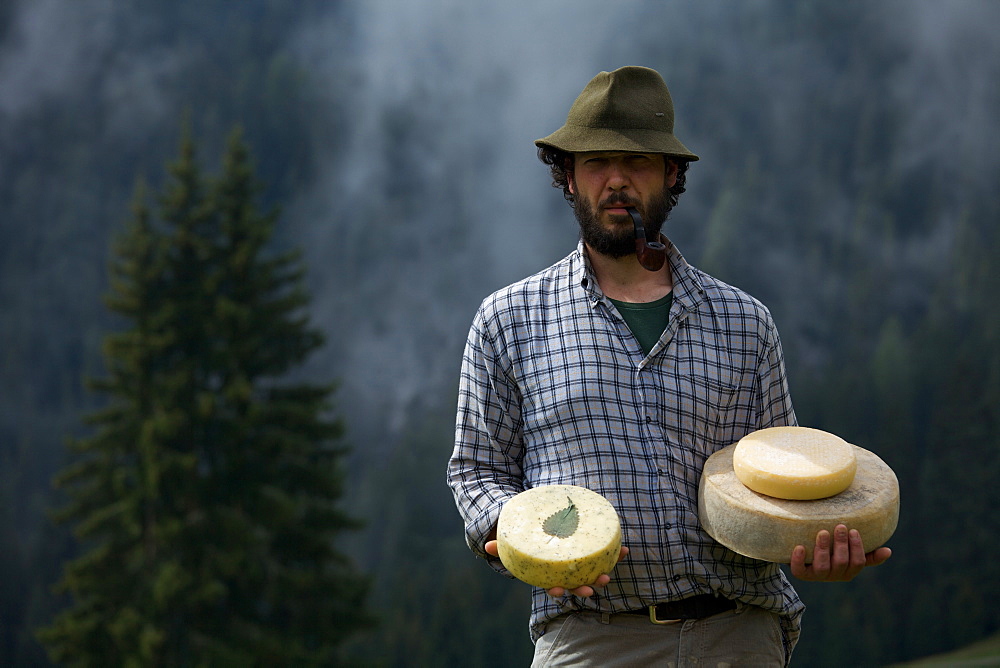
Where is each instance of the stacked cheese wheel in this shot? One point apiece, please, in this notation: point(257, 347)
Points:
point(558, 536)
point(777, 488)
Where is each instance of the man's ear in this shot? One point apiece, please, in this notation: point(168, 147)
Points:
point(670, 173)
point(571, 182)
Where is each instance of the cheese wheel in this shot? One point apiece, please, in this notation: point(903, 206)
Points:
point(768, 528)
point(795, 463)
point(558, 536)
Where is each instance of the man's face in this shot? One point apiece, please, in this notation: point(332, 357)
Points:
point(603, 184)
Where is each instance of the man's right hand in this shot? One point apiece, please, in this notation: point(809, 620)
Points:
point(556, 592)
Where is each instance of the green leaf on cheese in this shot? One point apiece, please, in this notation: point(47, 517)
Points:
point(562, 523)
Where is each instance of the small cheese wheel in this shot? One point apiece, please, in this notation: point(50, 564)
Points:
point(768, 528)
point(795, 463)
point(589, 545)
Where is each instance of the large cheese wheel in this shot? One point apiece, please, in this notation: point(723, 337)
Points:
point(767, 528)
point(795, 463)
point(558, 536)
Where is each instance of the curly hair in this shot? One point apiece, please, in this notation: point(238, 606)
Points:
point(561, 164)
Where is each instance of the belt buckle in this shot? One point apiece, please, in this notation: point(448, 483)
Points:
point(656, 620)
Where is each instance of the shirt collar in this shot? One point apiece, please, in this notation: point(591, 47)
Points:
point(688, 290)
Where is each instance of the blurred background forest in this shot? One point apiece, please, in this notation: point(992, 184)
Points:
point(849, 161)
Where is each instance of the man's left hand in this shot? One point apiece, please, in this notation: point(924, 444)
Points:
point(840, 561)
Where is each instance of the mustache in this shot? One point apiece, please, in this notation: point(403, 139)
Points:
point(619, 199)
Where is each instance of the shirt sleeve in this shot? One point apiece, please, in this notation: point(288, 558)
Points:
point(485, 467)
point(774, 401)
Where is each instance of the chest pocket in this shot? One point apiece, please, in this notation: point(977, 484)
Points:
point(698, 413)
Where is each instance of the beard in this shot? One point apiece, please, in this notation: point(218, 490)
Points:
point(619, 240)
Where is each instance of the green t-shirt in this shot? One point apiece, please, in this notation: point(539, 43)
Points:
point(646, 320)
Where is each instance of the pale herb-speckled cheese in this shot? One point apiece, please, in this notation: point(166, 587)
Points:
point(763, 527)
point(533, 556)
point(794, 463)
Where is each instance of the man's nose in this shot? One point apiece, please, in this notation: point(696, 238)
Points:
point(617, 178)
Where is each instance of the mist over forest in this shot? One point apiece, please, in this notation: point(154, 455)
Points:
point(849, 155)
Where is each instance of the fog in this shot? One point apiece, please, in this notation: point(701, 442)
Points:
point(428, 195)
point(473, 84)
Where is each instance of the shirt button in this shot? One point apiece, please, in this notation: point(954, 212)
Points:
point(649, 420)
point(677, 577)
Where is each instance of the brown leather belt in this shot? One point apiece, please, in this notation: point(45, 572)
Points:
point(694, 607)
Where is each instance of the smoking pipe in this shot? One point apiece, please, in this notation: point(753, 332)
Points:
point(651, 254)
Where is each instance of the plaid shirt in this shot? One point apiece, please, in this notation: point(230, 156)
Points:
point(555, 389)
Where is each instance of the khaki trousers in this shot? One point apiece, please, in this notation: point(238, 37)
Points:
point(747, 636)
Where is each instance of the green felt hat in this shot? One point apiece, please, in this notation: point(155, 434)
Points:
point(627, 110)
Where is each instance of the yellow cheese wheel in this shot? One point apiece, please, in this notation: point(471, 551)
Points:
point(767, 528)
point(794, 463)
point(558, 536)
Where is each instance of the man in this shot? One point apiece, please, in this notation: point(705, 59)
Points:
point(603, 373)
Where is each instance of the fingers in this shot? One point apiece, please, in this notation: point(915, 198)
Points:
point(840, 561)
point(847, 558)
point(799, 568)
point(584, 591)
point(820, 568)
point(857, 559)
point(878, 556)
point(836, 558)
point(843, 543)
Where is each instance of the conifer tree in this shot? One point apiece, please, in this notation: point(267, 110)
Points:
point(206, 500)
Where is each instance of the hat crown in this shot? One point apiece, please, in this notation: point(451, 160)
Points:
point(630, 98)
point(627, 110)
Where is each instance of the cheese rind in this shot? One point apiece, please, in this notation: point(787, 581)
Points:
point(795, 463)
point(543, 560)
point(768, 528)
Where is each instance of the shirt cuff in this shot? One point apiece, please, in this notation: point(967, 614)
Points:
point(478, 532)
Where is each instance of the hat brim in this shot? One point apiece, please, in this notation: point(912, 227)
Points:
point(578, 139)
